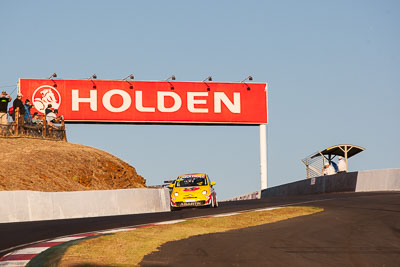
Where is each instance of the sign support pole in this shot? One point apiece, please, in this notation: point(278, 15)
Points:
point(263, 156)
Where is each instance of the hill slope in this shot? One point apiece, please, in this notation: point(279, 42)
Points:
point(52, 166)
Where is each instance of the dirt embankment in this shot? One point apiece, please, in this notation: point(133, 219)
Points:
point(53, 166)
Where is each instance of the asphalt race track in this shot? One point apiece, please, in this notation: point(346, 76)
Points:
point(18, 235)
point(356, 229)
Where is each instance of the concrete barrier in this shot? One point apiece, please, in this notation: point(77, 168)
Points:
point(378, 180)
point(18, 206)
point(253, 195)
point(342, 182)
point(363, 181)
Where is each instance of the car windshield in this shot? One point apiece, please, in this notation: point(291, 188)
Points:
point(192, 181)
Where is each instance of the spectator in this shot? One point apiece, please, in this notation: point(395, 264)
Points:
point(36, 120)
point(328, 169)
point(48, 109)
point(52, 118)
point(342, 165)
point(28, 106)
point(4, 99)
point(18, 104)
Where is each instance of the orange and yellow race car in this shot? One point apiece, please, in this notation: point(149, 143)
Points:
point(193, 190)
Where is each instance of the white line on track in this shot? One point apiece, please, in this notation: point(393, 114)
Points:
point(266, 209)
point(169, 222)
point(226, 214)
point(66, 239)
point(116, 230)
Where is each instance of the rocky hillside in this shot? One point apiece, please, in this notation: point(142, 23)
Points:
point(52, 166)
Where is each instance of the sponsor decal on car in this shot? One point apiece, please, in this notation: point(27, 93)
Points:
point(191, 189)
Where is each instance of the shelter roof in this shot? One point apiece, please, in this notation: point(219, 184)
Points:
point(340, 150)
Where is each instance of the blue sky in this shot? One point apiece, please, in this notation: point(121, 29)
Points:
point(332, 68)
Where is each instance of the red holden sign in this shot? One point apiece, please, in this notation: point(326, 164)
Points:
point(149, 102)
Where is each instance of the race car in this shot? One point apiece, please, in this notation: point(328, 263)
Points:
point(193, 190)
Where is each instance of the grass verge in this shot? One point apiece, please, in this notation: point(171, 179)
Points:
point(128, 248)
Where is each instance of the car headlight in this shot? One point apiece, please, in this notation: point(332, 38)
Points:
point(176, 194)
point(204, 192)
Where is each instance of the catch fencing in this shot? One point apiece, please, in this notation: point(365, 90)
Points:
point(314, 165)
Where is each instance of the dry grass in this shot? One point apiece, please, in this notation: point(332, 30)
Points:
point(46, 165)
point(129, 248)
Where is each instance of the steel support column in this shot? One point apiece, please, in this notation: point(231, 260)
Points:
point(263, 156)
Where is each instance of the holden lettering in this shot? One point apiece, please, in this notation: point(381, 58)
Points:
point(196, 102)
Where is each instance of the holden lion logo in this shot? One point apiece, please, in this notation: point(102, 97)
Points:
point(45, 95)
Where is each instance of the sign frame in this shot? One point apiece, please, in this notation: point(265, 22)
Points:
point(170, 88)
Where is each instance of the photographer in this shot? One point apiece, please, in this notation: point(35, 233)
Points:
point(4, 99)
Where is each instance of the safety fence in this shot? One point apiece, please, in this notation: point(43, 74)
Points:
point(314, 165)
point(41, 129)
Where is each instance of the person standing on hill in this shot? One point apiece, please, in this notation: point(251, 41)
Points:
point(19, 104)
point(28, 116)
point(4, 99)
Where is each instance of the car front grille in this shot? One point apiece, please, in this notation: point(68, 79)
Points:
point(190, 204)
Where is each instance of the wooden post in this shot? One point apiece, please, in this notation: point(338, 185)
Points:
point(17, 121)
point(44, 126)
point(63, 130)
